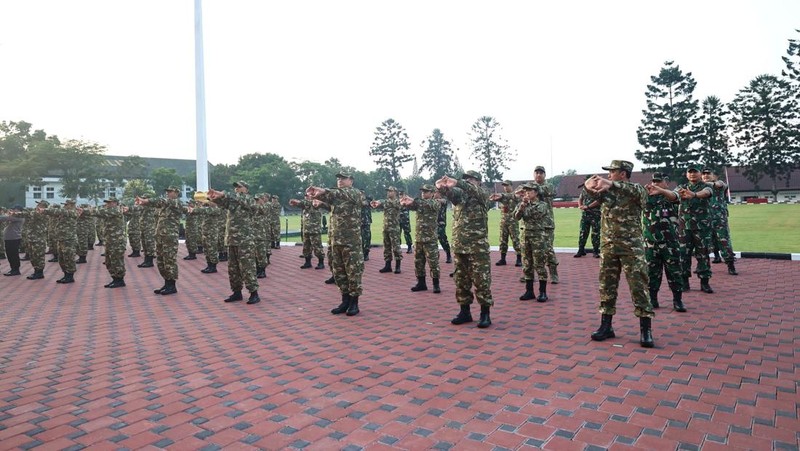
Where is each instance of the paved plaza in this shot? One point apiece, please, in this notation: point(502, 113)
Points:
point(84, 366)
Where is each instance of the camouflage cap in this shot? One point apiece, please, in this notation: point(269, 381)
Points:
point(391, 188)
point(472, 174)
point(506, 183)
point(43, 203)
point(539, 169)
point(693, 167)
point(84, 205)
point(111, 199)
point(619, 164)
point(241, 184)
point(172, 188)
point(427, 187)
point(659, 176)
point(275, 196)
point(707, 170)
point(69, 202)
point(344, 175)
point(530, 186)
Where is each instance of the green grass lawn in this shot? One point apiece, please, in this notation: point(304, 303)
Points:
point(754, 228)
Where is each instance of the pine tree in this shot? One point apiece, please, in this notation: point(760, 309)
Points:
point(714, 141)
point(390, 147)
point(437, 157)
point(670, 127)
point(489, 148)
point(792, 61)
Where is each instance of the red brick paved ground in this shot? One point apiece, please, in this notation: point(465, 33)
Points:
point(86, 366)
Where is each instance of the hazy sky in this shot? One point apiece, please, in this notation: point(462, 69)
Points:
point(311, 80)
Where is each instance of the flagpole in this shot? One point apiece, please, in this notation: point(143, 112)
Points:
point(200, 100)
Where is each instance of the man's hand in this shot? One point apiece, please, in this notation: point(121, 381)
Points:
point(315, 191)
point(495, 197)
point(446, 182)
point(406, 201)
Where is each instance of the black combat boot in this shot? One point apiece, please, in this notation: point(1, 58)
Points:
point(352, 309)
point(307, 264)
point(13, 272)
point(199, 250)
point(485, 320)
point(677, 301)
point(261, 272)
point(654, 298)
point(81, 259)
point(436, 288)
point(596, 253)
point(210, 268)
point(605, 330)
point(147, 263)
point(254, 298)
point(366, 256)
point(518, 263)
point(170, 288)
point(646, 339)
point(67, 278)
point(191, 256)
point(117, 282)
point(409, 251)
point(464, 316)
point(449, 257)
point(421, 285)
point(553, 273)
point(330, 280)
point(705, 287)
point(54, 259)
point(235, 296)
point(528, 295)
point(135, 253)
point(37, 274)
point(343, 306)
point(223, 257)
point(159, 290)
point(502, 261)
point(542, 291)
point(732, 269)
point(717, 258)
point(397, 266)
point(581, 252)
point(387, 267)
point(320, 263)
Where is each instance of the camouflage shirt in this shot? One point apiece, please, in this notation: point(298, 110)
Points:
point(312, 217)
point(719, 201)
point(586, 198)
point(35, 224)
point(168, 216)
point(621, 219)
point(366, 214)
point(345, 225)
point(391, 214)
point(661, 221)
point(66, 223)
point(260, 214)
point(508, 204)
point(470, 217)
point(114, 236)
point(534, 215)
point(239, 223)
point(427, 215)
point(696, 212)
point(546, 195)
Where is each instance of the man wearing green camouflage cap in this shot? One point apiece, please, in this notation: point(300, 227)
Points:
point(391, 230)
point(661, 224)
point(509, 225)
point(590, 222)
point(696, 213)
point(114, 239)
point(36, 237)
point(66, 234)
point(427, 249)
point(622, 248)
point(720, 231)
point(168, 217)
point(85, 228)
point(546, 194)
point(533, 212)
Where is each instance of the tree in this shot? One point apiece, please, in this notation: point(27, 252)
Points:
point(555, 181)
point(78, 163)
point(390, 147)
point(489, 148)
point(437, 157)
point(764, 117)
point(136, 187)
point(714, 149)
point(670, 127)
point(220, 176)
point(162, 178)
point(792, 61)
point(269, 173)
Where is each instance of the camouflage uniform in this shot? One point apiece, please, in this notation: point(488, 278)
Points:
point(470, 243)
point(168, 220)
point(366, 228)
point(66, 220)
point(405, 227)
point(720, 231)
point(427, 249)
point(391, 230)
point(239, 239)
point(347, 257)
point(622, 248)
point(210, 231)
point(509, 225)
point(35, 230)
point(192, 233)
point(590, 222)
point(275, 225)
point(52, 233)
point(662, 243)
point(534, 254)
point(696, 216)
point(99, 227)
point(85, 231)
point(114, 239)
point(546, 194)
point(441, 230)
point(147, 226)
point(261, 246)
point(134, 229)
point(312, 226)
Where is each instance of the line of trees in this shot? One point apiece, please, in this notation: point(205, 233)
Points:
point(759, 129)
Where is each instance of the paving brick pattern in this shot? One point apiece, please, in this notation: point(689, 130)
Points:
point(84, 366)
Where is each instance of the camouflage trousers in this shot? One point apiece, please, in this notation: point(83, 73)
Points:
point(347, 264)
point(312, 243)
point(391, 245)
point(329, 257)
point(664, 257)
point(149, 241)
point(721, 238)
point(366, 237)
point(66, 255)
point(590, 223)
point(551, 253)
point(211, 249)
point(275, 231)
point(242, 267)
point(192, 236)
point(697, 244)
point(167, 261)
point(115, 261)
point(473, 270)
point(635, 269)
point(36, 251)
point(406, 230)
point(82, 246)
point(426, 251)
point(509, 228)
point(441, 233)
point(534, 256)
point(262, 253)
point(134, 235)
point(2, 242)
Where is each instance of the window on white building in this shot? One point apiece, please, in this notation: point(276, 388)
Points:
point(50, 192)
point(37, 192)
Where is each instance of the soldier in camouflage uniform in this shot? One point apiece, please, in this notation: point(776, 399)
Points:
point(275, 224)
point(470, 244)
point(322, 206)
point(11, 225)
point(366, 226)
point(192, 233)
point(590, 222)
point(2, 232)
point(720, 232)
point(405, 224)
point(240, 241)
point(662, 240)
point(427, 249)
point(622, 248)
point(132, 216)
point(66, 220)
point(441, 230)
point(99, 228)
point(147, 226)
point(312, 232)
point(210, 215)
point(533, 212)
point(35, 229)
point(509, 225)
point(114, 239)
point(52, 235)
point(262, 245)
point(84, 227)
point(168, 220)
point(696, 213)
point(546, 194)
point(346, 256)
point(391, 230)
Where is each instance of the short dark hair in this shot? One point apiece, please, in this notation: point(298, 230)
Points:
point(627, 172)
